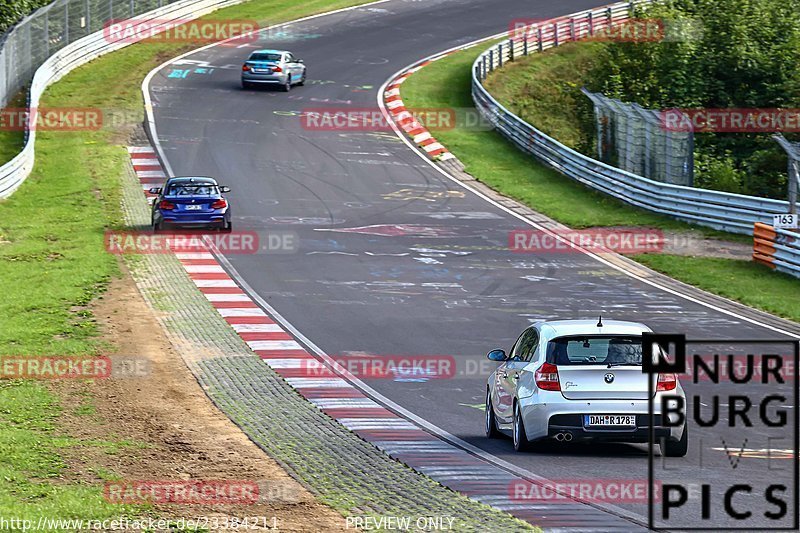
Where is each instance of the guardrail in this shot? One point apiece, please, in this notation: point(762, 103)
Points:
point(67, 57)
point(777, 248)
point(720, 210)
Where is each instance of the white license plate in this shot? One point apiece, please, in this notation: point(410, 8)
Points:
point(262, 70)
point(194, 207)
point(610, 420)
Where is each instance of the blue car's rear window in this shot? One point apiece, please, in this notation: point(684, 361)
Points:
point(265, 57)
point(191, 190)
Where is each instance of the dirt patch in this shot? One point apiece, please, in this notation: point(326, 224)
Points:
point(175, 432)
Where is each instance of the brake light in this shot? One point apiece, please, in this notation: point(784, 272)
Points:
point(164, 204)
point(547, 377)
point(245, 67)
point(219, 204)
point(666, 382)
point(276, 68)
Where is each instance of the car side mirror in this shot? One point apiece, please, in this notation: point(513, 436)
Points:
point(155, 190)
point(497, 355)
point(224, 188)
point(298, 61)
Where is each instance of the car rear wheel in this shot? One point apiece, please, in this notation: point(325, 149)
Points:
point(302, 80)
point(286, 87)
point(521, 442)
point(676, 448)
point(491, 421)
point(227, 227)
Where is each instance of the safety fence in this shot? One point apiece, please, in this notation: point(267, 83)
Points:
point(66, 34)
point(725, 211)
point(777, 248)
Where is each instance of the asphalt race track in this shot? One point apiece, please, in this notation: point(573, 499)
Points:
point(432, 275)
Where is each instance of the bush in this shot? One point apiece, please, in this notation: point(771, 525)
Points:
point(745, 56)
point(12, 11)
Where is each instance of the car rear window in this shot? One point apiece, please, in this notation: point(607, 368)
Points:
point(265, 57)
point(595, 350)
point(192, 190)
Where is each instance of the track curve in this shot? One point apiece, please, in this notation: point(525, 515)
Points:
point(444, 282)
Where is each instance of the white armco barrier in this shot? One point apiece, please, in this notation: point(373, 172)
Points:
point(78, 53)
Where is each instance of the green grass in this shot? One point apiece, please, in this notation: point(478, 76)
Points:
point(496, 162)
point(544, 89)
point(53, 263)
point(744, 281)
point(11, 140)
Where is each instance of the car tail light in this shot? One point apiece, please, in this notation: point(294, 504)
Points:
point(245, 67)
point(276, 68)
point(666, 382)
point(547, 377)
point(163, 204)
point(219, 204)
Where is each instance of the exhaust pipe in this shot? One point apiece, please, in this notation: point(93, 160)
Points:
point(559, 437)
point(567, 437)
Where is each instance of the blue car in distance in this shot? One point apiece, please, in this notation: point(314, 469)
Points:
point(191, 202)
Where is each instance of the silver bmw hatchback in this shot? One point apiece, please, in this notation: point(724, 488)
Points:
point(278, 68)
point(579, 379)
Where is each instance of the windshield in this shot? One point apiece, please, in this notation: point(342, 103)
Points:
point(595, 350)
point(192, 190)
point(265, 57)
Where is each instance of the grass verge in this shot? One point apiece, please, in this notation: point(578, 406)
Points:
point(496, 162)
point(744, 281)
point(53, 262)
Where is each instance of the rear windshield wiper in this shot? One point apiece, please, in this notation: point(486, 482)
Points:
point(623, 363)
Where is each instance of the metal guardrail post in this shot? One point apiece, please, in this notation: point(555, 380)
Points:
point(491, 60)
point(793, 153)
point(539, 34)
point(499, 55)
point(555, 34)
point(47, 34)
point(591, 24)
point(794, 175)
point(525, 44)
point(511, 49)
